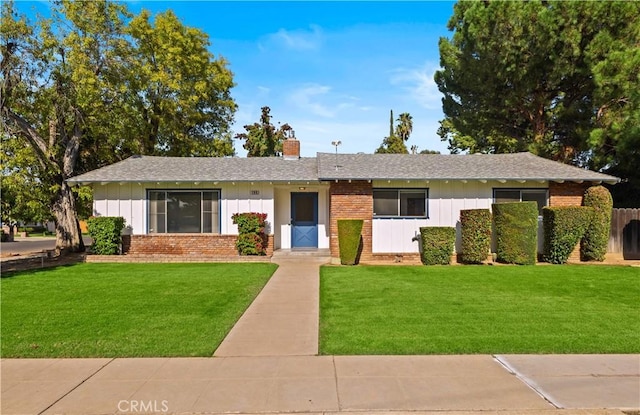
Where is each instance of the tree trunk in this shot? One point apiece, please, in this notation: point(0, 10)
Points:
point(68, 234)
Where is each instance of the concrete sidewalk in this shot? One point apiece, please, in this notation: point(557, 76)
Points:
point(580, 381)
point(283, 319)
point(321, 384)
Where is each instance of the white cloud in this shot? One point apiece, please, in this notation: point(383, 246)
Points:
point(316, 136)
point(419, 84)
point(306, 99)
point(299, 40)
point(316, 99)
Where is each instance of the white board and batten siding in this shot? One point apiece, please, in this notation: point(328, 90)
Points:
point(390, 235)
point(445, 201)
point(129, 200)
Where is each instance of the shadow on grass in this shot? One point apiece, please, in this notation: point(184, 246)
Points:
point(16, 267)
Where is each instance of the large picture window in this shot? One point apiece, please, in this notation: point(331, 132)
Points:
point(400, 203)
point(184, 211)
point(539, 196)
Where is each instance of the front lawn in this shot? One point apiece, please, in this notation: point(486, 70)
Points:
point(118, 310)
point(479, 309)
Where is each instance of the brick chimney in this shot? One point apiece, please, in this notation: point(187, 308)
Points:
point(291, 149)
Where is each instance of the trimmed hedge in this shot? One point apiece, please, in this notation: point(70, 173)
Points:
point(594, 243)
point(251, 237)
point(437, 244)
point(475, 232)
point(564, 227)
point(349, 240)
point(106, 232)
point(516, 229)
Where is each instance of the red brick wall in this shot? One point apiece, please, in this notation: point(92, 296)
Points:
point(402, 258)
point(291, 148)
point(567, 193)
point(205, 245)
point(351, 201)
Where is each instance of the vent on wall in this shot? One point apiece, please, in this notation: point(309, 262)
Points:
point(255, 193)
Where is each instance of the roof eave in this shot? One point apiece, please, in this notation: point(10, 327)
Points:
point(608, 180)
point(84, 182)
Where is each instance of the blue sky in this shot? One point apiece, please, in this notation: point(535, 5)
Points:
point(332, 70)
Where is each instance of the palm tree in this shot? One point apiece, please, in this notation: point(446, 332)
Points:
point(405, 126)
point(394, 143)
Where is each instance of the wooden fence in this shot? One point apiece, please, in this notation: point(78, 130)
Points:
point(625, 233)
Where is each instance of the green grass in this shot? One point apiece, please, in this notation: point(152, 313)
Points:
point(124, 310)
point(479, 309)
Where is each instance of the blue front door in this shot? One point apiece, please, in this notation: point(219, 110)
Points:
point(304, 220)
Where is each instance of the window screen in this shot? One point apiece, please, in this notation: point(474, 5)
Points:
point(385, 203)
point(521, 195)
point(412, 203)
point(400, 203)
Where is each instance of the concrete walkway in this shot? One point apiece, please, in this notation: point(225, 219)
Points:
point(283, 319)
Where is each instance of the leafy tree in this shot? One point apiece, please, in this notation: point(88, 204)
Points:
point(22, 201)
point(557, 78)
point(395, 142)
point(414, 150)
point(263, 139)
point(24, 197)
point(429, 152)
point(89, 87)
point(179, 93)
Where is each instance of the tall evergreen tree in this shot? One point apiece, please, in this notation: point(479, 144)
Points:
point(557, 78)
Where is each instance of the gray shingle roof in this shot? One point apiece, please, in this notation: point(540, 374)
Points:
point(517, 166)
point(523, 166)
point(190, 169)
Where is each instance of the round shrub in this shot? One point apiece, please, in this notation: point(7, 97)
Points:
point(564, 226)
point(596, 238)
point(516, 227)
point(437, 244)
point(475, 232)
point(349, 240)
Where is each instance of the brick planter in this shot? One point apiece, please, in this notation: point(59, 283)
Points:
point(184, 245)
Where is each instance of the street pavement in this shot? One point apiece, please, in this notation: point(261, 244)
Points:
point(31, 245)
point(268, 364)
